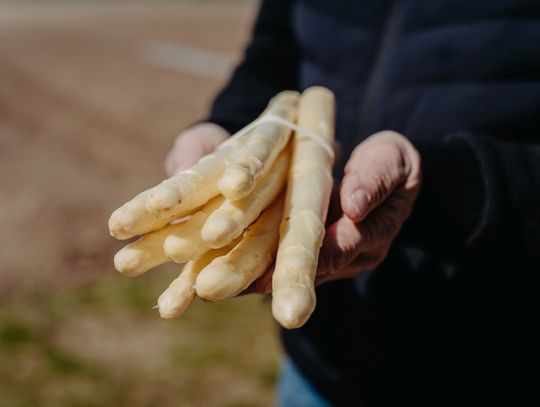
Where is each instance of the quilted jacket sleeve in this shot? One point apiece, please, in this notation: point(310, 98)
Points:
point(477, 190)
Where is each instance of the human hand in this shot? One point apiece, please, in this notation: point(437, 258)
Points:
point(192, 144)
point(382, 180)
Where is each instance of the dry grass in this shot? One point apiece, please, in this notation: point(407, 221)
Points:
point(99, 344)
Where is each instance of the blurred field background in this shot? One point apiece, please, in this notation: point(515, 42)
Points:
point(92, 94)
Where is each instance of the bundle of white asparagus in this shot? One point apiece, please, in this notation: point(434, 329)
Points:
point(260, 199)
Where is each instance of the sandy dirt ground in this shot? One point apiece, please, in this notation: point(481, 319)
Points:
point(85, 122)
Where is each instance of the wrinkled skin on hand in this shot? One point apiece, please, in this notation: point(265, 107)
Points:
point(381, 182)
point(377, 194)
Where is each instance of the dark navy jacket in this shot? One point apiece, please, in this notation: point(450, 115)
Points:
point(448, 316)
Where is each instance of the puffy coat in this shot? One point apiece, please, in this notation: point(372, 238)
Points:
point(447, 316)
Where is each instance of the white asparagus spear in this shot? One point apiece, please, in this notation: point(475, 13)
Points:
point(306, 205)
point(228, 275)
point(180, 194)
point(144, 253)
point(180, 293)
point(263, 144)
point(151, 250)
point(233, 217)
point(174, 301)
point(186, 243)
point(133, 218)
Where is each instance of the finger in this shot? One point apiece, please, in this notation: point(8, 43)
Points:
point(384, 223)
point(345, 239)
point(353, 246)
point(373, 171)
point(363, 262)
point(170, 164)
point(180, 194)
point(349, 248)
point(376, 167)
point(341, 245)
point(184, 163)
point(192, 144)
point(264, 283)
point(184, 154)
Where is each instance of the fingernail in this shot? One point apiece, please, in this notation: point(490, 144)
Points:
point(360, 201)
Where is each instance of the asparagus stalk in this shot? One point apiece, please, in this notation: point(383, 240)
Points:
point(229, 275)
point(186, 244)
point(178, 242)
point(181, 194)
point(233, 217)
point(255, 157)
point(180, 293)
point(306, 205)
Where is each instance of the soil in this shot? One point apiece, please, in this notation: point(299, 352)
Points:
point(85, 123)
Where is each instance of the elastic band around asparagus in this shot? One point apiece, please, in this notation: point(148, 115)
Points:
point(179, 195)
point(306, 205)
point(263, 144)
point(229, 275)
point(233, 217)
point(180, 293)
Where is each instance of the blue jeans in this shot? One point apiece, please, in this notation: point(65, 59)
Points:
point(295, 391)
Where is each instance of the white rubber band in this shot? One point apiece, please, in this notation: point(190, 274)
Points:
point(310, 134)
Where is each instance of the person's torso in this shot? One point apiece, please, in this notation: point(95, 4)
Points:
point(425, 68)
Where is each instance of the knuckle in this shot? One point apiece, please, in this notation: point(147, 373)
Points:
point(378, 229)
point(388, 136)
point(333, 259)
point(331, 262)
point(367, 231)
point(376, 186)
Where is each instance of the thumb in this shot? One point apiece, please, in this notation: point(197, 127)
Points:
point(182, 157)
point(372, 173)
point(192, 144)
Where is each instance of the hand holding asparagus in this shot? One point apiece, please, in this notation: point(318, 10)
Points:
point(227, 210)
